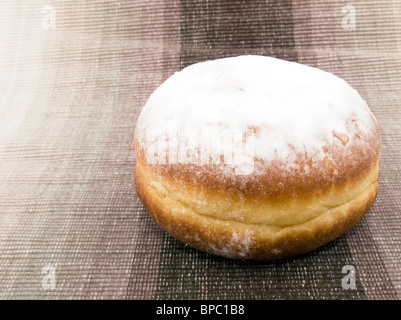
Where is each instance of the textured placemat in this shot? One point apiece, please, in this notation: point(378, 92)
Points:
point(73, 79)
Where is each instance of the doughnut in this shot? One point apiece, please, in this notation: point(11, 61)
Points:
point(253, 157)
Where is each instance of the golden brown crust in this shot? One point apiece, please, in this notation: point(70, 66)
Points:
point(246, 240)
point(343, 161)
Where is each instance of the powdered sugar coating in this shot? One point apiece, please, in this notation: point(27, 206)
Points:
point(238, 246)
point(287, 108)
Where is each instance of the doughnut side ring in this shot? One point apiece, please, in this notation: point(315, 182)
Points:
point(239, 240)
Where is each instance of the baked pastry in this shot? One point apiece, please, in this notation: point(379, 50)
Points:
point(253, 157)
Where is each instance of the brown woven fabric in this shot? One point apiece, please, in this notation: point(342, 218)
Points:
point(70, 94)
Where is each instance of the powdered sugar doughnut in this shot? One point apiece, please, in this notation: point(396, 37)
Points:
point(254, 157)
